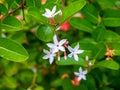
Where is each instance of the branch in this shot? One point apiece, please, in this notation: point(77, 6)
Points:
point(20, 6)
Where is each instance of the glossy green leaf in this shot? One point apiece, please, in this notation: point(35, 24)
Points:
point(45, 33)
point(99, 34)
point(19, 37)
point(81, 24)
point(90, 13)
point(10, 23)
point(71, 61)
point(109, 64)
point(33, 3)
point(3, 9)
point(111, 18)
point(99, 51)
point(10, 2)
point(72, 9)
point(111, 36)
point(36, 14)
point(11, 50)
point(106, 3)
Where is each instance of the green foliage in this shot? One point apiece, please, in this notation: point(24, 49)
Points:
point(12, 51)
point(47, 33)
point(81, 24)
point(72, 9)
point(109, 64)
point(94, 24)
point(10, 23)
point(71, 61)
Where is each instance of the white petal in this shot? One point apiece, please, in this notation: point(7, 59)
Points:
point(80, 70)
point(76, 73)
point(62, 42)
point(79, 51)
point(79, 78)
point(70, 55)
point(46, 15)
point(52, 54)
point(48, 11)
point(54, 9)
point(83, 77)
point(51, 60)
point(50, 45)
point(55, 40)
point(76, 57)
point(76, 47)
point(58, 12)
point(70, 49)
point(45, 51)
point(45, 57)
point(55, 50)
point(62, 48)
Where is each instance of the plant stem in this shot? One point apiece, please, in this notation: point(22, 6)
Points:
point(20, 6)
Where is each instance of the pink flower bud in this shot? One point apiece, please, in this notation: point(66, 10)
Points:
point(65, 26)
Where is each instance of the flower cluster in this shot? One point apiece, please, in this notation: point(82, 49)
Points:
point(61, 46)
point(58, 46)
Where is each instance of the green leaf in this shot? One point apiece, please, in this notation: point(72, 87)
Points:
point(10, 3)
point(11, 50)
point(99, 33)
point(111, 18)
point(3, 9)
point(72, 9)
point(9, 82)
point(111, 36)
point(106, 3)
point(25, 76)
point(71, 61)
point(99, 51)
point(19, 37)
point(109, 64)
point(90, 13)
point(36, 14)
point(45, 33)
point(10, 23)
point(34, 3)
point(116, 47)
point(81, 24)
point(39, 88)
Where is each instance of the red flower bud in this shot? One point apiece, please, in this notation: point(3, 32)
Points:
point(65, 26)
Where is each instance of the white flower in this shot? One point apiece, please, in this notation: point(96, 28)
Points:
point(49, 55)
point(75, 51)
point(51, 14)
point(57, 45)
point(81, 74)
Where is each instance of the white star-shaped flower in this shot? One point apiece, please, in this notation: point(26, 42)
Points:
point(51, 14)
point(57, 45)
point(81, 74)
point(74, 51)
point(49, 55)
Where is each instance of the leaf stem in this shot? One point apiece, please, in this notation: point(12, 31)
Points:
point(19, 7)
